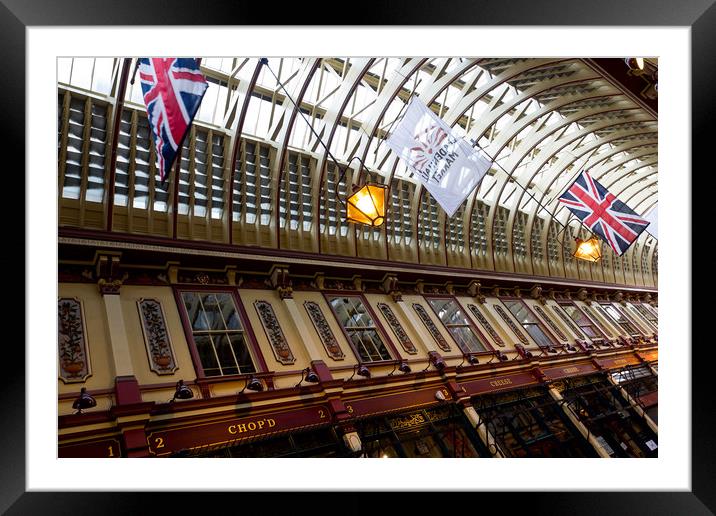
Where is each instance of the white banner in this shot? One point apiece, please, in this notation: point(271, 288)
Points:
point(447, 166)
point(653, 218)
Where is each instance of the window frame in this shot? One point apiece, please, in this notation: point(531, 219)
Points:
point(249, 336)
point(554, 340)
point(620, 325)
point(489, 349)
point(600, 332)
point(328, 295)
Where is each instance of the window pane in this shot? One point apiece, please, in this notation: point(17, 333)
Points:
point(206, 355)
point(212, 309)
point(225, 354)
point(520, 311)
point(195, 312)
point(538, 335)
point(241, 352)
point(466, 339)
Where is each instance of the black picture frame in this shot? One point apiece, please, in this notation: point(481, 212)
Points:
point(699, 15)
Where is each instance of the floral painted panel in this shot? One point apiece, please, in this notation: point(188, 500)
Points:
point(397, 328)
point(511, 324)
point(274, 333)
point(156, 337)
point(324, 331)
point(549, 322)
point(568, 322)
point(430, 325)
point(72, 341)
point(486, 324)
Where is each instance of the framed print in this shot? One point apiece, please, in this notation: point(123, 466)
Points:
point(247, 196)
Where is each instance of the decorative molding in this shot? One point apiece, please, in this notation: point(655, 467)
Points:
point(74, 363)
point(568, 322)
point(390, 286)
point(501, 312)
point(486, 324)
point(473, 288)
point(582, 294)
point(279, 346)
point(430, 325)
point(278, 279)
point(324, 331)
point(397, 328)
point(156, 337)
point(550, 322)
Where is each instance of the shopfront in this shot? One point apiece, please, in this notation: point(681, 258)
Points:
point(608, 416)
point(443, 431)
point(530, 423)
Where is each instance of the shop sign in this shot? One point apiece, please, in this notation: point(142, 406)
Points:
point(611, 363)
point(164, 442)
point(498, 383)
point(109, 448)
point(555, 373)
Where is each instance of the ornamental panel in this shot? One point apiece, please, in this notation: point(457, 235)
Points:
point(278, 342)
point(397, 329)
point(568, 322)
point(549, 322)
point(72, 342)
point(430, 325)
point(156, 337)
point(486, 324)
point(511, 324)
point(324, 330)
point(603, 326)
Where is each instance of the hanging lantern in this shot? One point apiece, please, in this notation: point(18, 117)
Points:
point(589, 250)
point(635, 64)
point(367, 205)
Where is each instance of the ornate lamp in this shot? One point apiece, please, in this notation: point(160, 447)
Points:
point(635, 63)
point(182, 392)
point(589, 250)
point(309, 375)
point(84, 401)
point(367, 205)
point(253, 384)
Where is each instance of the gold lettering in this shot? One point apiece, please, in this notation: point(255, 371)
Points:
point(349, 408)
point(159, 442)
point(261, 423)
point(111, 451)
point(241, 427)
point(232, 429)
point(251, 425)
point(321, 414)
point(503, 381)
point(620, 361)
point(570, 370)
point(271, 422)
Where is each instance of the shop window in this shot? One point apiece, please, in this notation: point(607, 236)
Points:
point(452, 316)
point(529, 322)
point(217, 333)
point(432, 433)
point(529, 423)
point(620, 320)
point(360, 329)
point(585, 323)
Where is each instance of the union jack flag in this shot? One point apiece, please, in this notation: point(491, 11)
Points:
point(608, 217)
point(173, 88)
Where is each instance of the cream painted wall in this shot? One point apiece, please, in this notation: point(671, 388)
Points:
point(248, 296)
point(130, 294)
point(507, 336)
point(100, 355)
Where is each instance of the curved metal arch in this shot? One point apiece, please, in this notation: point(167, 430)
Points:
point(555, 147)
point(463, 105)
point(342, 97)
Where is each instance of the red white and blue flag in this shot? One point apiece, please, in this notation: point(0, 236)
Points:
point(608, 217)
point(173, 88)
